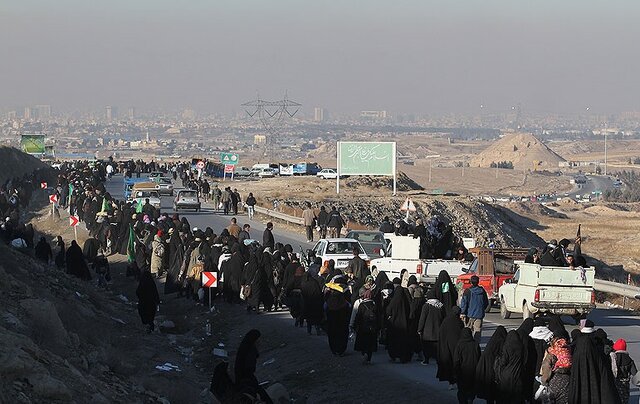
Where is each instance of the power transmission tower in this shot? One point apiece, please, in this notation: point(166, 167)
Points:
point(272, 115)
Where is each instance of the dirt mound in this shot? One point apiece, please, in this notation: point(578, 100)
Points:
point(524, 150)
point(469, 218)
point(14, 163)
point(404, 182)
point(535, 209)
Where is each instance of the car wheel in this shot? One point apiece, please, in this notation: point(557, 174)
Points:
point(526, 313)
point(504, 313)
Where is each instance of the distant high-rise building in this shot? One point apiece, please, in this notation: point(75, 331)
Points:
point(373, 114)
point(12, 115)
point(318, 114)
point(111, 113)
point(28, 113)
point(132, 113)
point(43, 111)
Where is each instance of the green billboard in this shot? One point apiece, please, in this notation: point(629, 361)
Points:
point(229, 158)
point(32, 143)
point(367, 158)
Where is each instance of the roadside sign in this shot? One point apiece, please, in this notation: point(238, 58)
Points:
point(408, 206)
point(229, 158)
point(200, 165)
point(73, 221)
point(53, 198)
point(210, 279)
point(43, 185)
point(228, 168)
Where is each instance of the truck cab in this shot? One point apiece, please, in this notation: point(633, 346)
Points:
point(536, 289)
point(403, 252)
point(493, 267)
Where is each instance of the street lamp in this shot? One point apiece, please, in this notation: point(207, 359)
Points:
point(430, 157)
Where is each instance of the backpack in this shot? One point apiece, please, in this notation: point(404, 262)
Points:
point(369, 318)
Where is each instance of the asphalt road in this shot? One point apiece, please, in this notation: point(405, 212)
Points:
point(617, 323)
point(594, 183)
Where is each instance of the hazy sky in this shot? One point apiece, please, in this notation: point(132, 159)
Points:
point(403, 56)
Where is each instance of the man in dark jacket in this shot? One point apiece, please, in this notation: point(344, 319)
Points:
point(473, 304)
point(386, 226)
point(267, 237)
point(358, 267)
point(323, 219)
point(43, 251)
point(335, 223)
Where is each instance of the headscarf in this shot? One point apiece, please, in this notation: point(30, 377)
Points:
point(562, 351)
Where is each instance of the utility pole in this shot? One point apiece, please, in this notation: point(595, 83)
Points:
point(605, 153)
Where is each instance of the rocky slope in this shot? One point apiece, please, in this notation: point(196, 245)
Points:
point(468, 217)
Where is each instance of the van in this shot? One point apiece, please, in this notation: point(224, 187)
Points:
point(257, 168)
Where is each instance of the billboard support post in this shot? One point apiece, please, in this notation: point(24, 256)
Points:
point(395, 171)
point(338, 170)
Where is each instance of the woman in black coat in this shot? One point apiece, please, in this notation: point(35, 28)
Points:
point(338, 312)
point(245, 367)
point(510, 369)
point(312, 302)
point(366, 326)
point(450, 330)
point(446, 291)
point(431, 317)
point(591, 378)
point(148, 300)
point(76, 264)
point(485, 371)
point(400, 341)
point(530, 358)
point(465, 361)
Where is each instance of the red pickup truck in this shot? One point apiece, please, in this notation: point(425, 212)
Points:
point(493, 267)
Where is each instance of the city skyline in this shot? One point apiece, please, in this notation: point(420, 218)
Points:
point(429, 57)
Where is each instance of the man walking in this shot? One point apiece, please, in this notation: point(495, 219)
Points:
point(335, 223)
point(473, 304)
point(226, 200)
point(267, 237)
point(216, 194)
point(309, 218)
point(251, 203)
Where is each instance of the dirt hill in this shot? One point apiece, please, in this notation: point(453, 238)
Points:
point(14, 163)
point(524, 150)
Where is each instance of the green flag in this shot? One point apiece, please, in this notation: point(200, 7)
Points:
point(70, 189)
point(131, 245)
point(105, 206)
point(139, 207)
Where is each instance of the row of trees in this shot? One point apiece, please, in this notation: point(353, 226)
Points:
point(502, 164)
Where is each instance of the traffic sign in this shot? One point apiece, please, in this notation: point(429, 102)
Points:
point(229, 158)
point(43, 185)
point(53, 198)
point(228, 168)
point(200, 165)
point(408, 206)
point(73, 221)
point(210, 279)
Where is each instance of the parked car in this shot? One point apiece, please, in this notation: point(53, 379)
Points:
point(266, 173)
point(339, 250)
point(241, 172)
point(187, 199)
point(373, 242)
point(327, 174)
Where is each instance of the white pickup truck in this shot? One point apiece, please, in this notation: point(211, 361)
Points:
point(403, 252)
point(560, 290)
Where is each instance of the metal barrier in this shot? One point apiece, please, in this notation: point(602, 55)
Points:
point(279, 215)
point(617, 288)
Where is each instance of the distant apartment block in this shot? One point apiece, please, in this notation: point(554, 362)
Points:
point(259, 139)
point(110, 113)
point(318, 114)
point(373, 114)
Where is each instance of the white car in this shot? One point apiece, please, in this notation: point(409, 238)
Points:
point(266, 173)
point(340, 250)
point(327, 174)
point(152, 196)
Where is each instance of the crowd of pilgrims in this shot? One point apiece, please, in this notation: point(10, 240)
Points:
point(537, 362)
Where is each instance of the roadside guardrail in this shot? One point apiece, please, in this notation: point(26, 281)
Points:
point(279, 215)
point(617, 288)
